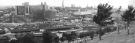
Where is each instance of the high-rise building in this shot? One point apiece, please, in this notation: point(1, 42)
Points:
point(25, 4)
point(27, 8)
point(45, 6)
point(20, 10)
point(23, 9)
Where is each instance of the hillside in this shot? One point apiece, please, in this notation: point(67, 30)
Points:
point(117, 38)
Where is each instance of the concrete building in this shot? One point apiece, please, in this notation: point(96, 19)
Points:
point(20, 10)
point(23, 9)
point(27, 8)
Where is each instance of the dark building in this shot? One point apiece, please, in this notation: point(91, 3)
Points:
point(20, 10)
point(24, 9)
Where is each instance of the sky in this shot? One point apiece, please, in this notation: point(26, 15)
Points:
point(82, 3)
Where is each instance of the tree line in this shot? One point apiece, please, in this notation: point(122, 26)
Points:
point(103, 16)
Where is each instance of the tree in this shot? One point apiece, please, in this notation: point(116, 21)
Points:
point(102, 18)
point(128, 17)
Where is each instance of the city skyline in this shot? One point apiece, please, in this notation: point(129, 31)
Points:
point(81, 3)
